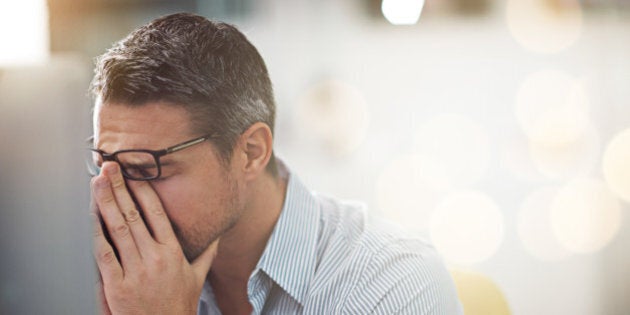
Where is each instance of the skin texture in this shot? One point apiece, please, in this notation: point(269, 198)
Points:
point(201, 200)
point(204, 219)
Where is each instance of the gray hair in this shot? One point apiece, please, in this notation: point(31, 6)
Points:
point(208, 67)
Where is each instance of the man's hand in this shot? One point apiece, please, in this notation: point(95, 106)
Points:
point(153, 275)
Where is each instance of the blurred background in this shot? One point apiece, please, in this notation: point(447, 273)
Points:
point(498, 129)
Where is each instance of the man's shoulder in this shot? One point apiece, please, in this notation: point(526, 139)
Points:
point(375, 265)
point(347, 223)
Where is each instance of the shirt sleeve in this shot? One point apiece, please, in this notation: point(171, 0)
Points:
point(405, 277)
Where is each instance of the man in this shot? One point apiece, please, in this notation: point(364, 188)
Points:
point(214, 223)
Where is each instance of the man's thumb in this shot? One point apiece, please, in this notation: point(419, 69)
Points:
point(201, 265)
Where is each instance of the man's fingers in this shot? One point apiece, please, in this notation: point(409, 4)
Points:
point(201, 265)
point(128, 207)
point(153, 212)
point(116, 225)
point(106, 260)
point(103, 307)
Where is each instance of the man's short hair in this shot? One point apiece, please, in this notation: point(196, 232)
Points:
point(208, 67)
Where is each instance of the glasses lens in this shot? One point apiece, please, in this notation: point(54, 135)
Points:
point(138, 165)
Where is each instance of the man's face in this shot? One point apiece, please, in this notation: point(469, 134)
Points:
point(199, 194)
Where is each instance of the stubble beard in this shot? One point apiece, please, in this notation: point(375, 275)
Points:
point(196, 239)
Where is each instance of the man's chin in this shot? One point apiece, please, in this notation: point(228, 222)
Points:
point(191, 255)
point(191, 252)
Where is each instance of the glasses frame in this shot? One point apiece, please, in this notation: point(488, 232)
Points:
point(157, 154)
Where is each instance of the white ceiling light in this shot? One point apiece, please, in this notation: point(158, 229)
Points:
point(23, 32)
point(402, 12)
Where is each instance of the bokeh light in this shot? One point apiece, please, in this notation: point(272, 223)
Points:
point(569, 159)
point(459, 146)
point(408, 190)
point(467, 227)
point(585, 215)
point(544, 26)
point(552, 108)
point(336, 114)
point(402, 12)
point(616, 165)
point(478, 294)
point(24, 32)
point(553, 111)
point(534, 226)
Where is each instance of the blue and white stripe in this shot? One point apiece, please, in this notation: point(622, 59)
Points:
point(325, 258)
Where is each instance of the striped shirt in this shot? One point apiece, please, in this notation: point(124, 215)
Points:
point(324, 257)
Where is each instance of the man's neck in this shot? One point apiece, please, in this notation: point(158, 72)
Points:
point(242, 246)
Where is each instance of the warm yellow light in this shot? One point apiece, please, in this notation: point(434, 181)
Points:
point(467, 227)
point(544, 26)
point(585, 215)
point(460, 146)
point(534, 226)
point(23, 32)
point(478, 294)
point(402, 12)
point(616, 165)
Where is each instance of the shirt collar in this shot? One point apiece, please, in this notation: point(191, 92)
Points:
point(289, 258)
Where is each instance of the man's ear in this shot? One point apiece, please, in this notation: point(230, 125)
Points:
point(256, 145)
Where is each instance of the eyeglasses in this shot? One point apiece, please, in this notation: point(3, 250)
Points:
point(143, 165)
